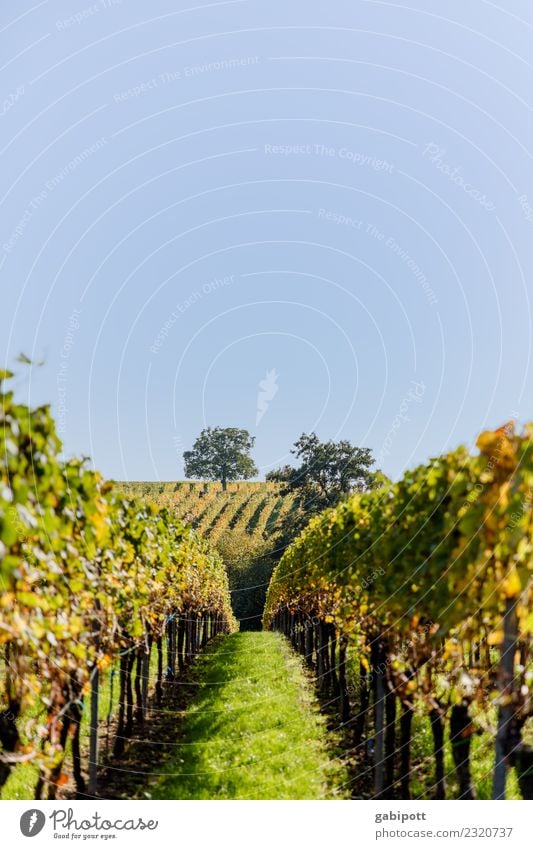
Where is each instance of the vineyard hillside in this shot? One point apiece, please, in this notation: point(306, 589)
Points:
point(243, 522)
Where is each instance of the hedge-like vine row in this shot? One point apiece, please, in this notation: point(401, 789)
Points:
point(424, 587)
point(86, 576)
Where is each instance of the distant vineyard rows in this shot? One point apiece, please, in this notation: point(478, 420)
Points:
point(253, 509)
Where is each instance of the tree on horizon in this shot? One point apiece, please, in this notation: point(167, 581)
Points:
point(327, 473)
point(221, 453)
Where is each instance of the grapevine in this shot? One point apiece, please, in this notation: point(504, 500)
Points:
point(421, 583)
point(87, 575)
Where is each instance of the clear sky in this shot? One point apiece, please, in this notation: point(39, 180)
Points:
point(283, 216)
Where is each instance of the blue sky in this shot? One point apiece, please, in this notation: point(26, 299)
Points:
point(197, 195)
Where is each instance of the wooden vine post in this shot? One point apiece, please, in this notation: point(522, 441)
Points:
point(506, 706)
point(146, 671)
point(93, 739)
point(378, 659)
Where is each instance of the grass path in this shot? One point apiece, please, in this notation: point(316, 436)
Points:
point(253, 731)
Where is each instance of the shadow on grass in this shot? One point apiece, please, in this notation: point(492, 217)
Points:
point(253, 731)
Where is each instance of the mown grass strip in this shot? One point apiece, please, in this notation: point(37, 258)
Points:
point(254, 730)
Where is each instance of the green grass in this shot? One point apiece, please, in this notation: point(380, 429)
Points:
point(481, 761)
point(21, 783)
point(254, 730)
point(422, 778)
point(23, 778)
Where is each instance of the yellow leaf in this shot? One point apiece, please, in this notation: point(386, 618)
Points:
point(511, 585)
point(495, 638)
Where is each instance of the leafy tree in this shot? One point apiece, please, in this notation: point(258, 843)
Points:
point(221, 453)
point(328, 471)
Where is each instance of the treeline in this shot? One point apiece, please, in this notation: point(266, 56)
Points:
point(416, 598)
point(88, 577)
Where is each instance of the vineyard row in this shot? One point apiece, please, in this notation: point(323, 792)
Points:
point(415, 597)
point(88, 577)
